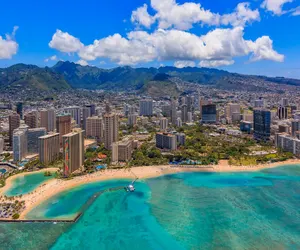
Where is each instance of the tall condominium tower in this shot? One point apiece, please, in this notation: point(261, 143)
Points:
point(92, 108)
point(14, 123)
point(48, 118)
point(86, 112)
point(75, 113)
point(31, 120)
point(173, 111)
point(282, 112)
point(209, 113)
point(1, 144)
point(132, 119)
point(146, 107)
point(262, 124)
point(184, 113)
point(63, 125)
point(20, 145)
point(232, 111)
point(163, 122)
point(190, 100)
point(111, 128)
point(122, 151)
point(73, 151)
point(295, 127)
point(166, 141)
point(33, 139)
point(94, 127)
point(19, 108)
point(48, 148)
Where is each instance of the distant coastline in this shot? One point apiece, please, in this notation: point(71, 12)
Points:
point(56, 186)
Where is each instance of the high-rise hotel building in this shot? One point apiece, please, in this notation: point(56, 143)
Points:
point(48, 119)
point(262, 124)
point(166, 141)
point(33, 135)
point(86, 113)
point(63, 125)
point(75, 113)
point(31, 120)
point(146, 108)
point(14, 123)
point(122, 151)
point(48, 148)
point(20, 147)
point(1, 144)
point(94, 128)
point(73, 151)
point(111, 128)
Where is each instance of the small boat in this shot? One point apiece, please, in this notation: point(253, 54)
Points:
point(130, 188)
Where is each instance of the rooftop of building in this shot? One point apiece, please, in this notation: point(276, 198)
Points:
point(74, 132)
point(165, 134)
point(36, 129)
point(49, 135)
point(63, 114)
point(94, 118)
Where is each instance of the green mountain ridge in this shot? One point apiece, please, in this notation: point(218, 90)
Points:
point(32, 77)
point(153, 81)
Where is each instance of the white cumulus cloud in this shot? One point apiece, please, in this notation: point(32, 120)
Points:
point(296, 11)
point(262, 49)
point(275, 6)
point(183, 64)
point(215, 63)
point(217, 47)
point(172, 42)
point(142, 17)
point(82, 62)
point(170, 14)
point(8, 45)
point(242, 15)
point(65, 42)
point(51, 58)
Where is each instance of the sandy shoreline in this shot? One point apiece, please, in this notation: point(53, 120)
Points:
point(9, 181)
point(56, 186)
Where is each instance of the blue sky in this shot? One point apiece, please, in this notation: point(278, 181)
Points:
point(255, 37)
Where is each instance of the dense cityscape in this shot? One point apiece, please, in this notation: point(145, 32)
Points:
point(200, 128)
point(156, 124)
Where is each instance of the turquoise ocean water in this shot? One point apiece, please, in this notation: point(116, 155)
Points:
point(181, 211)
point(27, 183)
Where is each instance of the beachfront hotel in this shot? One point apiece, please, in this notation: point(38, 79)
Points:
point(48, 148)
point(33, 139)
point(73, 151)
point(111, 128)
point(63, 125)
point(166, 141)
point(20, 143)
point(122, 151)
point(94, 128)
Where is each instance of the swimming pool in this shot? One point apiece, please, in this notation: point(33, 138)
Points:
point(100, 167)
point(2, 171)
